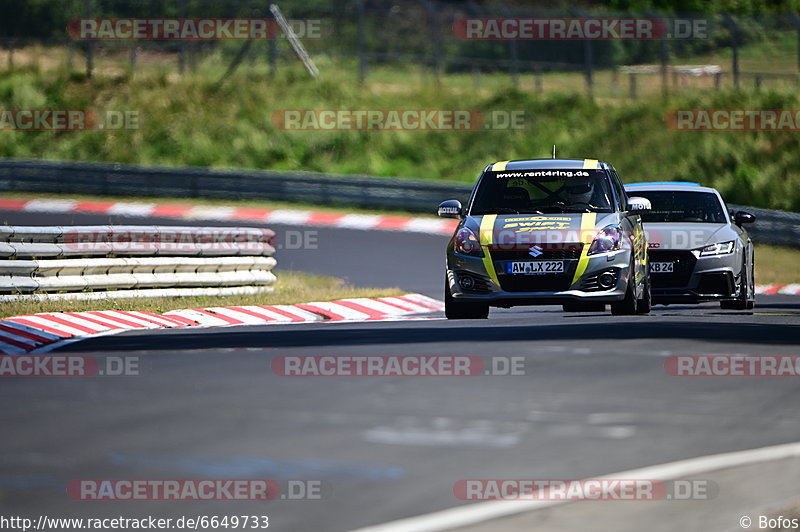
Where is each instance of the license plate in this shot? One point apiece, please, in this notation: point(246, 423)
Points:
point(662, 267)
point(535, 268)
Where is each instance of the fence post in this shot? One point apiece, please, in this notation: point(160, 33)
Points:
point(588, 56)
point(632, 78)
point(796, 20)
point(362, 59)
point(272, 56)
point(435, 51)
point(87, 4)
point(615, 82)
point(181, 43)
point(512, 47)
point(664, 53)
point(734, 45)
point(538, 78)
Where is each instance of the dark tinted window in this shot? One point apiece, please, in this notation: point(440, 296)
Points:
point(621, 196)
point(670, 206)
point(543, 191)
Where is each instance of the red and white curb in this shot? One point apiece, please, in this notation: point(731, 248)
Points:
point(778, 289)
point(222, 213)
point(22, 334)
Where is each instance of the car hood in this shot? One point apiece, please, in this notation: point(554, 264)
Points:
point(686, 236)
point(545, 228)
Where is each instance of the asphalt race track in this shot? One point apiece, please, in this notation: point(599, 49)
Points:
point(594, 399)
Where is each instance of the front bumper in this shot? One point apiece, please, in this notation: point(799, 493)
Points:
point(539, 289)
point(695, 278)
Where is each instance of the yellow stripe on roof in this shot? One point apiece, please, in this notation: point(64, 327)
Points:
point(499, 166)
point(590, 164)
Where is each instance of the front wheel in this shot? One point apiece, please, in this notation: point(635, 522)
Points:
point(644, 305)
point(462, 310)
point(627, 306)
point(747, 291)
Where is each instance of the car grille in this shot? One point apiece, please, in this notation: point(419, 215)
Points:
point(682, 269)
point(555, 282)
point(548, 252)
point(536, 283)
point(717, 283)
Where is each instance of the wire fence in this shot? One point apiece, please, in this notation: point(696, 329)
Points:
point(367, 38)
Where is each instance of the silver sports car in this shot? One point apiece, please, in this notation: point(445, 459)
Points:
point(698, 250)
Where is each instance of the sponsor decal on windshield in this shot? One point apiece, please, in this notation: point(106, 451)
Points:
point(543, 173)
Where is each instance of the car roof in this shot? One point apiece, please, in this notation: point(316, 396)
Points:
point(683, 186)
point(546, 164)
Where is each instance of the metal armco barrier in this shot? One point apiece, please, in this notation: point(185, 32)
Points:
point(65, 177)
point(779, 228)
point(134, 261)
point(113, 179)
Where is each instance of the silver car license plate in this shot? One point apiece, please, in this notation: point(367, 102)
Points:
point(662, 267)
point(535, 268)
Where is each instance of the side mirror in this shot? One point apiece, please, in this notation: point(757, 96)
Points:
point(743, 217)
point(450, 209)
point(638, 205)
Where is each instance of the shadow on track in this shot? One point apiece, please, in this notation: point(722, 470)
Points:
point(393, 333)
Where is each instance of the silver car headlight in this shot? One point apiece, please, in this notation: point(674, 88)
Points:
point(607, 239)
point(720, 248)
point(467, 243)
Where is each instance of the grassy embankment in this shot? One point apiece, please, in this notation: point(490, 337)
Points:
point(291, 287)
point(190, 120)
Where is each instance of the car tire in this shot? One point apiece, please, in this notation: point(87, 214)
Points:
point(645, 304)
point(460, 310)
point(627, 306)
point(747, 295)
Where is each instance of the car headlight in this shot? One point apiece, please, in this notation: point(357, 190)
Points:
point(720, 248)
point(607, 239)
point(467, 243)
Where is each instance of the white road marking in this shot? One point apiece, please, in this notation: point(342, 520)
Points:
point(485, 511)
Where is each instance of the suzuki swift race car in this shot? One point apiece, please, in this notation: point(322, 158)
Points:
point(547, 232)
point(699, 251)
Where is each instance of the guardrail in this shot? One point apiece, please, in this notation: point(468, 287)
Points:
point(134, 261)
point(112, 179)
point(778, 228)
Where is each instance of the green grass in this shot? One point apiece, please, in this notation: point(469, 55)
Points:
point(777, 265)
point(192, 121)
point(291, 287)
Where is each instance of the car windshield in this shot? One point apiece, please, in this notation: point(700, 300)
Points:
point(682, 206)
point(542, 191)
